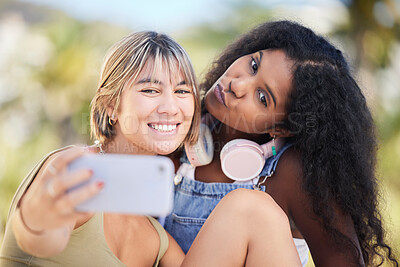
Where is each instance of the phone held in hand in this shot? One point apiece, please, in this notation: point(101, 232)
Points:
point(134, 184)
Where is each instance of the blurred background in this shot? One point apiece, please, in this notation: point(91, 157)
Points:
point(51, 53)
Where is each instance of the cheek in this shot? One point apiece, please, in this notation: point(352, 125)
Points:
point(143, 106)
point(128, 120)
point(187, 107)
point(263, 121)
point(250, 119)
point(187, 110)
point(132, 113)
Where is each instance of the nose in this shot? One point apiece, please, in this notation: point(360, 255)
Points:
point(168, 103)
point(239, 86)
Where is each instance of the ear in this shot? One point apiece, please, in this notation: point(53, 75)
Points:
point(281, 132)
point(110, 111)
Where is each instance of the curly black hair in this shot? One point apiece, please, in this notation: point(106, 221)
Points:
point(333, 131)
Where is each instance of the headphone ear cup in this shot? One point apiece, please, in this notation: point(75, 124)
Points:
point(202, 152)
point(242, 159)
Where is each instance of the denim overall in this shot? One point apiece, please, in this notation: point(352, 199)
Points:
point(195, 200)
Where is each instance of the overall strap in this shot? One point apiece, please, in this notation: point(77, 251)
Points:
point(271, 162)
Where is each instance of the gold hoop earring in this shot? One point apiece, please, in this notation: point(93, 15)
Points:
point(112, 121)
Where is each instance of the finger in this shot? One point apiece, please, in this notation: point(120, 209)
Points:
point(61, 161)
point(69, 201)
point(59, 185)
point(93, 149)
point(57, 164)
point(86, 192)
point(50, 190)
point(50, 169)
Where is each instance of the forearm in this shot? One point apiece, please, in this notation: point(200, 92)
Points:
point(174, 254)
point(43, 244)
point(45, 217)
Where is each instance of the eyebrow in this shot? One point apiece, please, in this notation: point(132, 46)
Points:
point(182, 83)
point(272, 95)
point(149, 80)
point(266, 85)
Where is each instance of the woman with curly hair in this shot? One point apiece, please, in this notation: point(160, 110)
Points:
point(147, 103)
point(281, 80)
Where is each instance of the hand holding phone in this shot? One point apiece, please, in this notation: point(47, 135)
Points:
point(135, 184)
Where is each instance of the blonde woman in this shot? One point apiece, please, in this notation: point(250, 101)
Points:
point(146, 103)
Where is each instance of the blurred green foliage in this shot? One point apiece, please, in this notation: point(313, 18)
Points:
point(49, 73)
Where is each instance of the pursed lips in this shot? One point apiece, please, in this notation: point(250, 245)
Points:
point(219, 94)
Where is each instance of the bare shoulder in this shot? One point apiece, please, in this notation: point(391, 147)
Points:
point(289, 171)
point(290, 163)
point(285, 186)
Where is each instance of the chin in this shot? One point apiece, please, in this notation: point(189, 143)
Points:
point(165, 148)
point(209, 106)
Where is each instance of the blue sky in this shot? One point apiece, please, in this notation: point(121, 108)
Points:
point(160, 15)
point(142, 14)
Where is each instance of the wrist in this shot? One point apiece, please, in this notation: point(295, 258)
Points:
point(26, 227)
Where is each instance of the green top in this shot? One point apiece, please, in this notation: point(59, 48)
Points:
point(87, 245)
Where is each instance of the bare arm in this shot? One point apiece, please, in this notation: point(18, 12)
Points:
point(289, 194)
point(45, 244)
point(46, 216)
point(174, 254)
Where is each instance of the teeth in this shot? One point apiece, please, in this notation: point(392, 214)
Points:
point(163, 127)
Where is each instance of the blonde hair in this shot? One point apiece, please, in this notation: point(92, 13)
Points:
point(122, 64)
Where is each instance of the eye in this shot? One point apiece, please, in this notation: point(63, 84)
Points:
point(149, 91)
point(263, 98)
point(254, 65)
point(183, 91)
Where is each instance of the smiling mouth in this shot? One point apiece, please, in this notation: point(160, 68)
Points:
point(164, 128)
point(219, 94)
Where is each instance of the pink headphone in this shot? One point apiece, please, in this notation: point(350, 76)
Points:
point(202, 152)
point(241, 159)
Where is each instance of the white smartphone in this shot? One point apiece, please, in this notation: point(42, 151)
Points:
point(134, 184)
